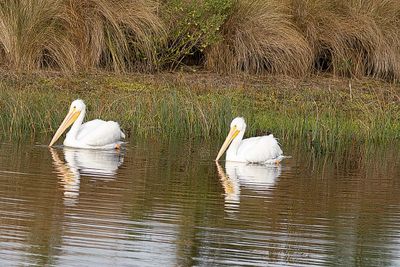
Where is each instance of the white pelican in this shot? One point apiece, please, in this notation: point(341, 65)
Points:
point(95, 134)
point(261, 149)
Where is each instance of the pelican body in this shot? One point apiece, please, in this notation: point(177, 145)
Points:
point(261, 149)
point(95, 134)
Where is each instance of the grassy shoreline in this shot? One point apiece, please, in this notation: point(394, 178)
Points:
point(323, 111)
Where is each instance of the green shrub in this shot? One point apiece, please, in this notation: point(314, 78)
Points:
point(192, 26)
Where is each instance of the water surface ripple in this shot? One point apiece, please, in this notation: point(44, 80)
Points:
point(170, 204)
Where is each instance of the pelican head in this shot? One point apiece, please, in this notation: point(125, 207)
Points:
point(76, 108)
point(238, 125)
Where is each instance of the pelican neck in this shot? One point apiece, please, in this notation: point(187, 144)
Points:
point(77, 124)
point(234, 146)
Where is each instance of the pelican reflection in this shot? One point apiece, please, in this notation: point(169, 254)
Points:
point(101, 164)
point(257, 178)
point(231, 185)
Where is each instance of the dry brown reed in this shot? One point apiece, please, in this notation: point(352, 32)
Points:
point(118, 35)
point(76, 35)
point(351, 38)
point(32, 35)
point(259, 37)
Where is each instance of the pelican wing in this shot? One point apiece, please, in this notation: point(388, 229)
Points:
point(88, 127)
point(260, 149)
point(100, 133)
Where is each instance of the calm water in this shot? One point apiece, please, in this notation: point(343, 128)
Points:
point(158, 204)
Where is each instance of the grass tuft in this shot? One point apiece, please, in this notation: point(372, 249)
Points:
point(72, 35)
point(259, 37)
point(117, 35)
point(32, 36)
point(351, 38)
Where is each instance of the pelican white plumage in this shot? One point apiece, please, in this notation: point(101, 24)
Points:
point(95, 134)
point(261, 149)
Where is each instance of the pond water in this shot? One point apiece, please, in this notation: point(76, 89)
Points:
point(168, 204)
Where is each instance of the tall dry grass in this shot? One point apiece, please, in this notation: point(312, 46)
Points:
point(384, 16)
point(32, 35)
point(292, 37)
point(351, 38)
point(257, 37)
point(118, 35)
point(73, 35)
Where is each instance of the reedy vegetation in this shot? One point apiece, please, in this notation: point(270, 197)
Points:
point(290, 37)
point(327, 115)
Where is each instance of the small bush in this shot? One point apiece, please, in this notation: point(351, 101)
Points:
point(192, 26)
